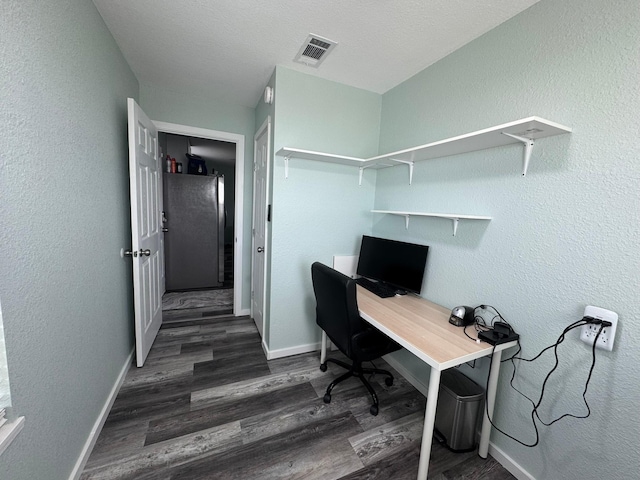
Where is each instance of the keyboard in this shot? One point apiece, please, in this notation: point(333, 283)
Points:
point(380, 289)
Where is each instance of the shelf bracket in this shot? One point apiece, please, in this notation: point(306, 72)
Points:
point(406, 162)
point(455, 225)
point(360, 173)
point(528, 148)
point(286, 166)
point(406, 222)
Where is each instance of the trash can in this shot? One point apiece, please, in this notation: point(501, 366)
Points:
point(460, 403)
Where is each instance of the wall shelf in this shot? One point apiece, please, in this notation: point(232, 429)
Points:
point(524, 131)
point(454, 217)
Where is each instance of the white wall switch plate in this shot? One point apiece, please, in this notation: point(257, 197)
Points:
point(590, 331)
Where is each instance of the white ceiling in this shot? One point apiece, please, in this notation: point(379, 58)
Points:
point(230, 47)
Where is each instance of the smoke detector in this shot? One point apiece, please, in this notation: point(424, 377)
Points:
point(314, 50)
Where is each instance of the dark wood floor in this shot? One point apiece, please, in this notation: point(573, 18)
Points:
point(208, 405)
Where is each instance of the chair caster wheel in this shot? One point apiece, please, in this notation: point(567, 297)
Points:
point(326, 398)
point(388, 381)
point(323, 367)
point(373, 410)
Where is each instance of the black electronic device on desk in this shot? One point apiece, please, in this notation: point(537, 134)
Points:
point(493, 332)
point(500, 333)
point(462, 316)
point(394, 265)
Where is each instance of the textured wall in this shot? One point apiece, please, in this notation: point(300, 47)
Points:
point(214, 113)
point(66, 300)
point(319, 210)
point(563, 237)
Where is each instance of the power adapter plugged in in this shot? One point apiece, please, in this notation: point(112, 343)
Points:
point(602, 324)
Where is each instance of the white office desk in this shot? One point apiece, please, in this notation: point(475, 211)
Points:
point(423, 328)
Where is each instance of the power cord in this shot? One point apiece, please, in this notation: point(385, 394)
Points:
point(534, 412)
point(481, 325)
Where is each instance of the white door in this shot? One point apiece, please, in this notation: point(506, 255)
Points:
point(262, 147)
point(144, 183)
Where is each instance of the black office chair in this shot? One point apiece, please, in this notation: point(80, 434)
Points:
point(337, 314)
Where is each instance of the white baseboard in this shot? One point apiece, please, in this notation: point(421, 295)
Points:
point(9, 431)
point(509, 463)
point(502, 458)
point(243, 312)
point(97, 427)
point(287, 352)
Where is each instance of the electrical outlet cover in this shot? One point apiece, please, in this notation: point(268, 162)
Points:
point(589, 332)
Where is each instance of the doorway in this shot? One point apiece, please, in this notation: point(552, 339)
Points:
point(222, 154)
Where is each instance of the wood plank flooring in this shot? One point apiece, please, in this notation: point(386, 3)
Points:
point(208, 405)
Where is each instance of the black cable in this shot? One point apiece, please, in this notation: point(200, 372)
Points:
point(486, 406)
point(497, 314)
point(480, 324)
point(465, 332)
point(534, 411)
point(578, 323)
point(515, 356)
point(584, 392)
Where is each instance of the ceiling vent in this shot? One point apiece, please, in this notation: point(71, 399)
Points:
point(314, 50)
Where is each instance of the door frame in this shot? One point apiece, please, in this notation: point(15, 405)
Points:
point(266, 125)
point(238, 227)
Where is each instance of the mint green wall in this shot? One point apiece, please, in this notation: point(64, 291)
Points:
point(64, 182)
point(563, 237)
point(215, 113)
point(319, 210)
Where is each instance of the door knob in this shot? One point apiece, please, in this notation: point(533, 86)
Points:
point(129, 253)
point(146, 253)
point(260, 249)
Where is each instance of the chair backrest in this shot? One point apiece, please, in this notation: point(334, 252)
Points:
point(336, 306)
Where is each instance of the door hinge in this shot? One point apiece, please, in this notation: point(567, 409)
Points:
point(269, 213)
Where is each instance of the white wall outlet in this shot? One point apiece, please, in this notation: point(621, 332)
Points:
point(590, 331)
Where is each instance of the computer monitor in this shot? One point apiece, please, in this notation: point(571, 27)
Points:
point(399, 264)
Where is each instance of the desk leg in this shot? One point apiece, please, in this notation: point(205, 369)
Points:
point(323, 350)
point(483, 449)
point(429, 423)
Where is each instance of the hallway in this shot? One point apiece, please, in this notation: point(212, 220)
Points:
point(207, 303)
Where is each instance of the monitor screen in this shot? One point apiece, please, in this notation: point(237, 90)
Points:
point(397, 263)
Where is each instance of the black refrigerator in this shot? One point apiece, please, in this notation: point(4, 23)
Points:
point(194, 231)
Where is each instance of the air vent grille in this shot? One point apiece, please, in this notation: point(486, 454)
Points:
point(314, 50)
point(320, 43)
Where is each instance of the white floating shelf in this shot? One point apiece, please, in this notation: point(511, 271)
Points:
point(451, 216)
point(524, 131)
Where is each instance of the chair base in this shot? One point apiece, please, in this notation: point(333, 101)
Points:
point(356, 370)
